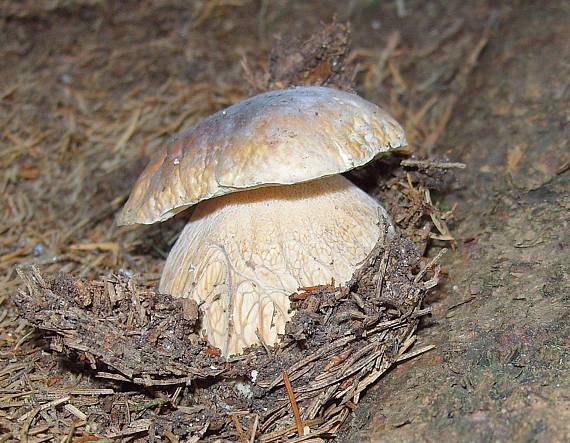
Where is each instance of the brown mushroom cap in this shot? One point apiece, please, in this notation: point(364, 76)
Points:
point(279, 137)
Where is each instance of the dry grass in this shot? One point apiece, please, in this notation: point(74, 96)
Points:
point(88, 90)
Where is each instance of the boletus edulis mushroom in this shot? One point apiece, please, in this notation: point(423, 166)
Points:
point(273, 212)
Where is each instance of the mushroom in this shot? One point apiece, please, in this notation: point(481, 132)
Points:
point(274, 214)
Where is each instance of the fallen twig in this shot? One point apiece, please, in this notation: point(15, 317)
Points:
point(293, 402)
point(432, 164)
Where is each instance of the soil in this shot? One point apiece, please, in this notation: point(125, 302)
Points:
point(501, 324)
point(89, 89)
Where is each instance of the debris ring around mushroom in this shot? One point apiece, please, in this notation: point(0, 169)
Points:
point(339, 342)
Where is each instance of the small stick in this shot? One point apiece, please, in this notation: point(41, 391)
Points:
point(562, 169)
point(382, 269)
point(102, 391)
point(70, 433)
point(293, 401)
point(415, 353)
point(75, 411)
point(430, 265)
point(239, 429)
point(43, 407)
point(430, 164)
point(254, 429)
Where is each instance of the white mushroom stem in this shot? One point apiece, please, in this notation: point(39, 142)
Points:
point(241, 255)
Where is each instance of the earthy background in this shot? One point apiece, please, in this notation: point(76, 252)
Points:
point(89, 89)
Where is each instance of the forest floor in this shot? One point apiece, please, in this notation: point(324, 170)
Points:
point(88, 89)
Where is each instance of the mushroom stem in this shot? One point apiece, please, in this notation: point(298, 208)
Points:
point(242, 254)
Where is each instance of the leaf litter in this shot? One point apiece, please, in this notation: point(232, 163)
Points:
point(92, 352)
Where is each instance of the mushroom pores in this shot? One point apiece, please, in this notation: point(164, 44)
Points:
point(274, 214)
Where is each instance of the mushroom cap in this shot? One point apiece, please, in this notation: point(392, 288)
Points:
point(280, 137)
